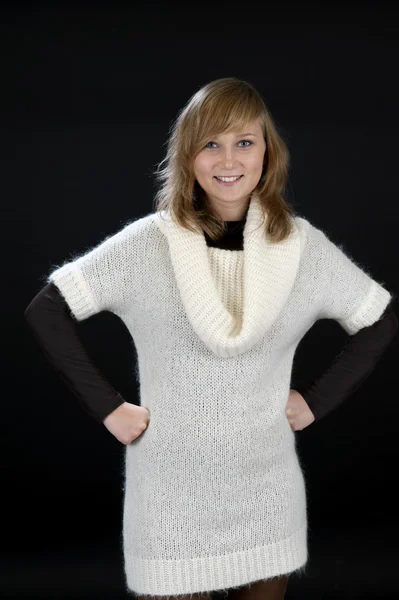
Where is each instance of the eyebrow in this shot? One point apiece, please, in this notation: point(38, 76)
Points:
point(242, 135)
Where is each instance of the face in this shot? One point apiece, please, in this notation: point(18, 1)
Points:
point(238, 153)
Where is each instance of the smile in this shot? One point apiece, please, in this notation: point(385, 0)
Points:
point(229, 181)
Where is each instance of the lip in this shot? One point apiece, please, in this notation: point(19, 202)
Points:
point(229, 183)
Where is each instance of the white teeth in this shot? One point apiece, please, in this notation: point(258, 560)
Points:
point(228, 178)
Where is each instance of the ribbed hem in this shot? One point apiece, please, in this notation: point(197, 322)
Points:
point(370, 310)
point(212, 573)
point(75, 291)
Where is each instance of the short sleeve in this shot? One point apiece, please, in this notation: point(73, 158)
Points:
point(347, 292)
point(101, 278)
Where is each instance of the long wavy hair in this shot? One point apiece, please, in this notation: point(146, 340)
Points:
point(223, 105)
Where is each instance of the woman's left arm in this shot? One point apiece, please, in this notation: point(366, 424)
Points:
point(348, 371)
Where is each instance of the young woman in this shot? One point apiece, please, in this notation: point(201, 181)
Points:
point(217, 288)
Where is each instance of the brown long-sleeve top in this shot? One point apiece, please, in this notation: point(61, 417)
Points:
point(56, 331)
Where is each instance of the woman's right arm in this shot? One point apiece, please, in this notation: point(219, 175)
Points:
point(49, 318)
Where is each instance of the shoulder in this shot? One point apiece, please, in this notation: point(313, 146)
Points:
point(140, 226)
point(305, 227)
point(306, 231)
point(312, 237)
point(132, 233)
point(131, 241)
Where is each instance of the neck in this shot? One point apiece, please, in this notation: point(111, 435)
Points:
point(233, 214)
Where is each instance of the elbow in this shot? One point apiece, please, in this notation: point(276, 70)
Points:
point(31, 318)
point(33, 310)
point(28, 313)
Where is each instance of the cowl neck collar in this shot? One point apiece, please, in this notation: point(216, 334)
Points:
point(269, 274)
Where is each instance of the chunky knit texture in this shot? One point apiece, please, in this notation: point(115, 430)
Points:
point(214, 492)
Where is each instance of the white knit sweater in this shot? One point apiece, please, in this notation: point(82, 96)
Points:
point(214, 491)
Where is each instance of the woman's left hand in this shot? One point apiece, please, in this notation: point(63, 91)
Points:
point(298, 412)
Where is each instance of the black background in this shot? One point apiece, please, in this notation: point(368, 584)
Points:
point(89, 92)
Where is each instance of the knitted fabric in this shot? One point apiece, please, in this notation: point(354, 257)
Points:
point(214, 491)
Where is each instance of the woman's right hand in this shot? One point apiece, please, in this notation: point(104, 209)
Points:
point(127, 422)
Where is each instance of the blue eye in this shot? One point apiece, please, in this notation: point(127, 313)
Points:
point(247, 141)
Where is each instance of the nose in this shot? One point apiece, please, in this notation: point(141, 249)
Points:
point(227, 165)
point(227, 158)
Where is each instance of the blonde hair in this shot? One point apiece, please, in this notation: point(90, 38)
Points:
point(223, 105)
